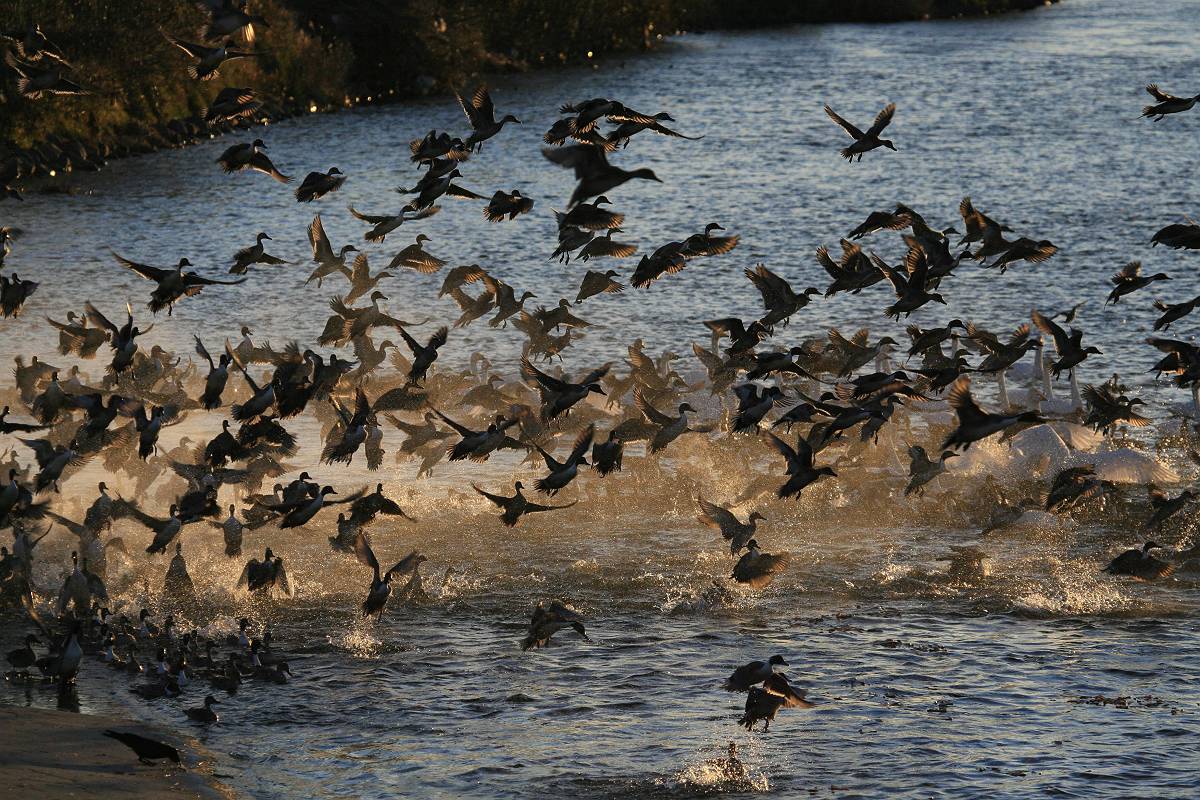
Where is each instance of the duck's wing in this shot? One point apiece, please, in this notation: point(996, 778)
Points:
point(882, 120)
point(530, 508)
point(146, 271)
point(192, 279)
point(843, 124)
point(1127, 273)
point(785, 450)
point(203, 353)
point(651, 413)
point(462, 430)
point(322, 250)
point(531, 373)
point(1159, 95)
point(959, 398)
point(406, 564)
point(1062, 342)
point(500, 501)
point(585, 159)
point(718, 518)
point(364, 553)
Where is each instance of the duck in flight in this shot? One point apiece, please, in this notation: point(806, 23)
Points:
point(173, 284)
point(516, 506)
point(1166, 103)
point(865, 142)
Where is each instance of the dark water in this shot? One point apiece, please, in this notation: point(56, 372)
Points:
point(927, 685)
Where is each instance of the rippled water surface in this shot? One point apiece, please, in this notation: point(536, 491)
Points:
point(927, 684)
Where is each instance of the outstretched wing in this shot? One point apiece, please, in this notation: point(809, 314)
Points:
point(1158, 94)
point(149, 273)
point(1062, 342)
point(846, 126)
point(882, 120)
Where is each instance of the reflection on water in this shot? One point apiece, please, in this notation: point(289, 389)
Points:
point(928, 681)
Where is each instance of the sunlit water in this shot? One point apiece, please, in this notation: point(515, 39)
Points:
point(926, 684)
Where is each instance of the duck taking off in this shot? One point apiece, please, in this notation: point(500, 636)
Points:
point(381, 584)
point(1166, 103)
point(318, 184)
point(516, 506)
point(173, 284)
point(1138, 563)
point(548, 619)
point(251, 156)
point(864, 142)
point(732, 529)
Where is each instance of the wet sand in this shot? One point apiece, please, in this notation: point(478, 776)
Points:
point(55, 754)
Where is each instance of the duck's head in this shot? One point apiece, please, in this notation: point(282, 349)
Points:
point(377, 295)
point(423, 238)
point(754, 515)
point(827, 471)
point(1092, 350)
point(518, 486)
point(509, 118)
point(686, 407)
point(887, 143)
point(595, 387)
point(259, 143)
point(645, 173)
point(1148, 546)
point(778, 661)
point(334, 171)
point(263, 235)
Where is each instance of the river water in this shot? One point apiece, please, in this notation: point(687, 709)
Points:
point(927, 684)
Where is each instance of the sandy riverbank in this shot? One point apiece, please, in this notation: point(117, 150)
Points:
point(55, 754)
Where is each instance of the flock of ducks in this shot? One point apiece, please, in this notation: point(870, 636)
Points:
point(843, 391)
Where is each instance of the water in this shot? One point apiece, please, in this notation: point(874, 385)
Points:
point(927, 685)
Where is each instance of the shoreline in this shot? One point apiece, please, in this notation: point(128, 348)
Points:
point(58, 754)
point(46, 142)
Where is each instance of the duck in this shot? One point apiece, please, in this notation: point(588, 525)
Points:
point(595, 175)
point(1166, 103)
point(732, 529)
point(590, 216)
point(318, 184)
point(361, 279)
point(381, 584)
point(758, 569)
point(608, 455)
point(507, 204)
point(13, 293)
point(267, 576)
point(231, 529)
point(800, 469)
point(415, 257)
point(203, 714)
point(424, 354)
point(911, 289)
point(35, 81)
point(328, 263)
point(563, 472)
point(668, 428)
point(232, 104)
point(975, 424)
point(172, 284)
point(1069, 347)
point(602, 246)
point(1138, 563)
point(754, 402)
point(1129, 279)
point(515, 507)
point(548, 619)
point(864, 142)
point(76, 337)
point(250, 156)
point(217, 378)
point(25, 657)
point(1173, 312)
point(254, 254)
point(922, 469)
point(595, 283)
point(1178, 236)
point(778, 297)
point(761, 706)
point(1106, 410)
point(208, 59)
point(1166, 507)
point(754, 673)
point(558, 395)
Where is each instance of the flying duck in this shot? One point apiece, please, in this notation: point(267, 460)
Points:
point(208, 59)
point(516, 506)
point(563, 472)
point(732, 529)
point(1129, 279)
point(864, 142)
point(548, 619)
point(1167, 103)
point(595, 175)
point(173, 284)
point(250, 156)
point(974, 423)
point(318, 184)
point(381, 584)
point(1138, 563)
point(481, 113)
